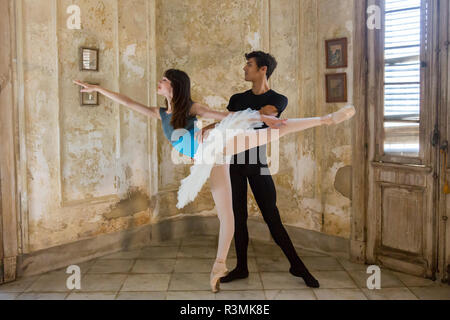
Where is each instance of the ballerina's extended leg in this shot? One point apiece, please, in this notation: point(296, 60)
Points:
point(254, 138)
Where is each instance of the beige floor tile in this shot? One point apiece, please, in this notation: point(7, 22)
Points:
point(8, 295)
point(85, 266)
point(189, 281)
point(61, 272)
point(322, 263)
point(264, 250)
point(300, 294)
point(388, 279)
point(309, 253)
point(91, 296)
point(255, 242)
point(190, 295)
point(431, 293)
point(112, 266)
point(197, 252)
point(101, 282)
point(157, 295)
point(253, 282)
point(413, 281)
point(194, 265)
point(50, 282)
point(200, 241)
point(154, 266)
point(158, 252)
point(281, 280)
point(19, 285)
point(352, 266)
point(250, 252)
point(240, 295)
point(273, 264)
point(334, 280)
point(389, 294)
point(132, 254)
point(339, 294)
point(146, 282)
point(42, 296)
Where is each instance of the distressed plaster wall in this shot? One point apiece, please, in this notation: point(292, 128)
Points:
point(89, 171)
point(317, 155)
point(85, 170)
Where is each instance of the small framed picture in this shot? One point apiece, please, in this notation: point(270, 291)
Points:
point(336, 53)
point(89, 98)
point(88, 59)
point(336, 87)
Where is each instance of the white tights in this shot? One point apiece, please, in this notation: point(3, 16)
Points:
point(220, 185)
point(254, 138)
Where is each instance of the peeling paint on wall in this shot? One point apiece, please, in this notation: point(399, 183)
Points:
point(130, 51)
point(215, 101)
point(136, 201)
point(254, 41)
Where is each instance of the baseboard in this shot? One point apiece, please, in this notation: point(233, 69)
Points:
point(184, 226)
point(77, 252)
point(80, 251)
point(302, 238)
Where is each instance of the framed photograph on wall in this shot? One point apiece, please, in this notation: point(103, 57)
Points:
point(336, 53)
point(336, 87)
point(88, 59)
point(89, 98)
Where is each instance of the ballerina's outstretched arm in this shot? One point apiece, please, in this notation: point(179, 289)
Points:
point(152, 112)
point(260, 137)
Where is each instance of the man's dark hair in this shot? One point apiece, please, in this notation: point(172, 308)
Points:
point(263, 60)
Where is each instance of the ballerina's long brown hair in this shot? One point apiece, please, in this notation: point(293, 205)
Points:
point(181, 99)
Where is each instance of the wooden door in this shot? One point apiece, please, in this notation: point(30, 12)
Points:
point(1, 231)
point(444, 162)
point(402, 117)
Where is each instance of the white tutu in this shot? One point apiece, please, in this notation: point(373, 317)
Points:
point(210, 152)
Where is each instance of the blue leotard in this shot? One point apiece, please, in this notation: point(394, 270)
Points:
point(183, 140)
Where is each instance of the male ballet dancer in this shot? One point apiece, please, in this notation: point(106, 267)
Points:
point(258, 69)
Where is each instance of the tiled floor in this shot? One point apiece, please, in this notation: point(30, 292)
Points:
point(180, 270)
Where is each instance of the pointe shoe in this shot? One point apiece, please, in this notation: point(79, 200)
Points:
point(341, 115)
point(219, 270)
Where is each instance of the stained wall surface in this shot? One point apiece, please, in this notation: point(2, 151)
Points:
point(85, 171)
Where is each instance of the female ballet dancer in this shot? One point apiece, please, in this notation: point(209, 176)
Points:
point(181, 112)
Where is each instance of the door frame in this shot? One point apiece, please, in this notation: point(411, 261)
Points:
point(8, 190)
point(444, 105)
point(358, 236)
point(361, 245)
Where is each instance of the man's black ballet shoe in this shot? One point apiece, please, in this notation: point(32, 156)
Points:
point(234, 275)
point(310, 281)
